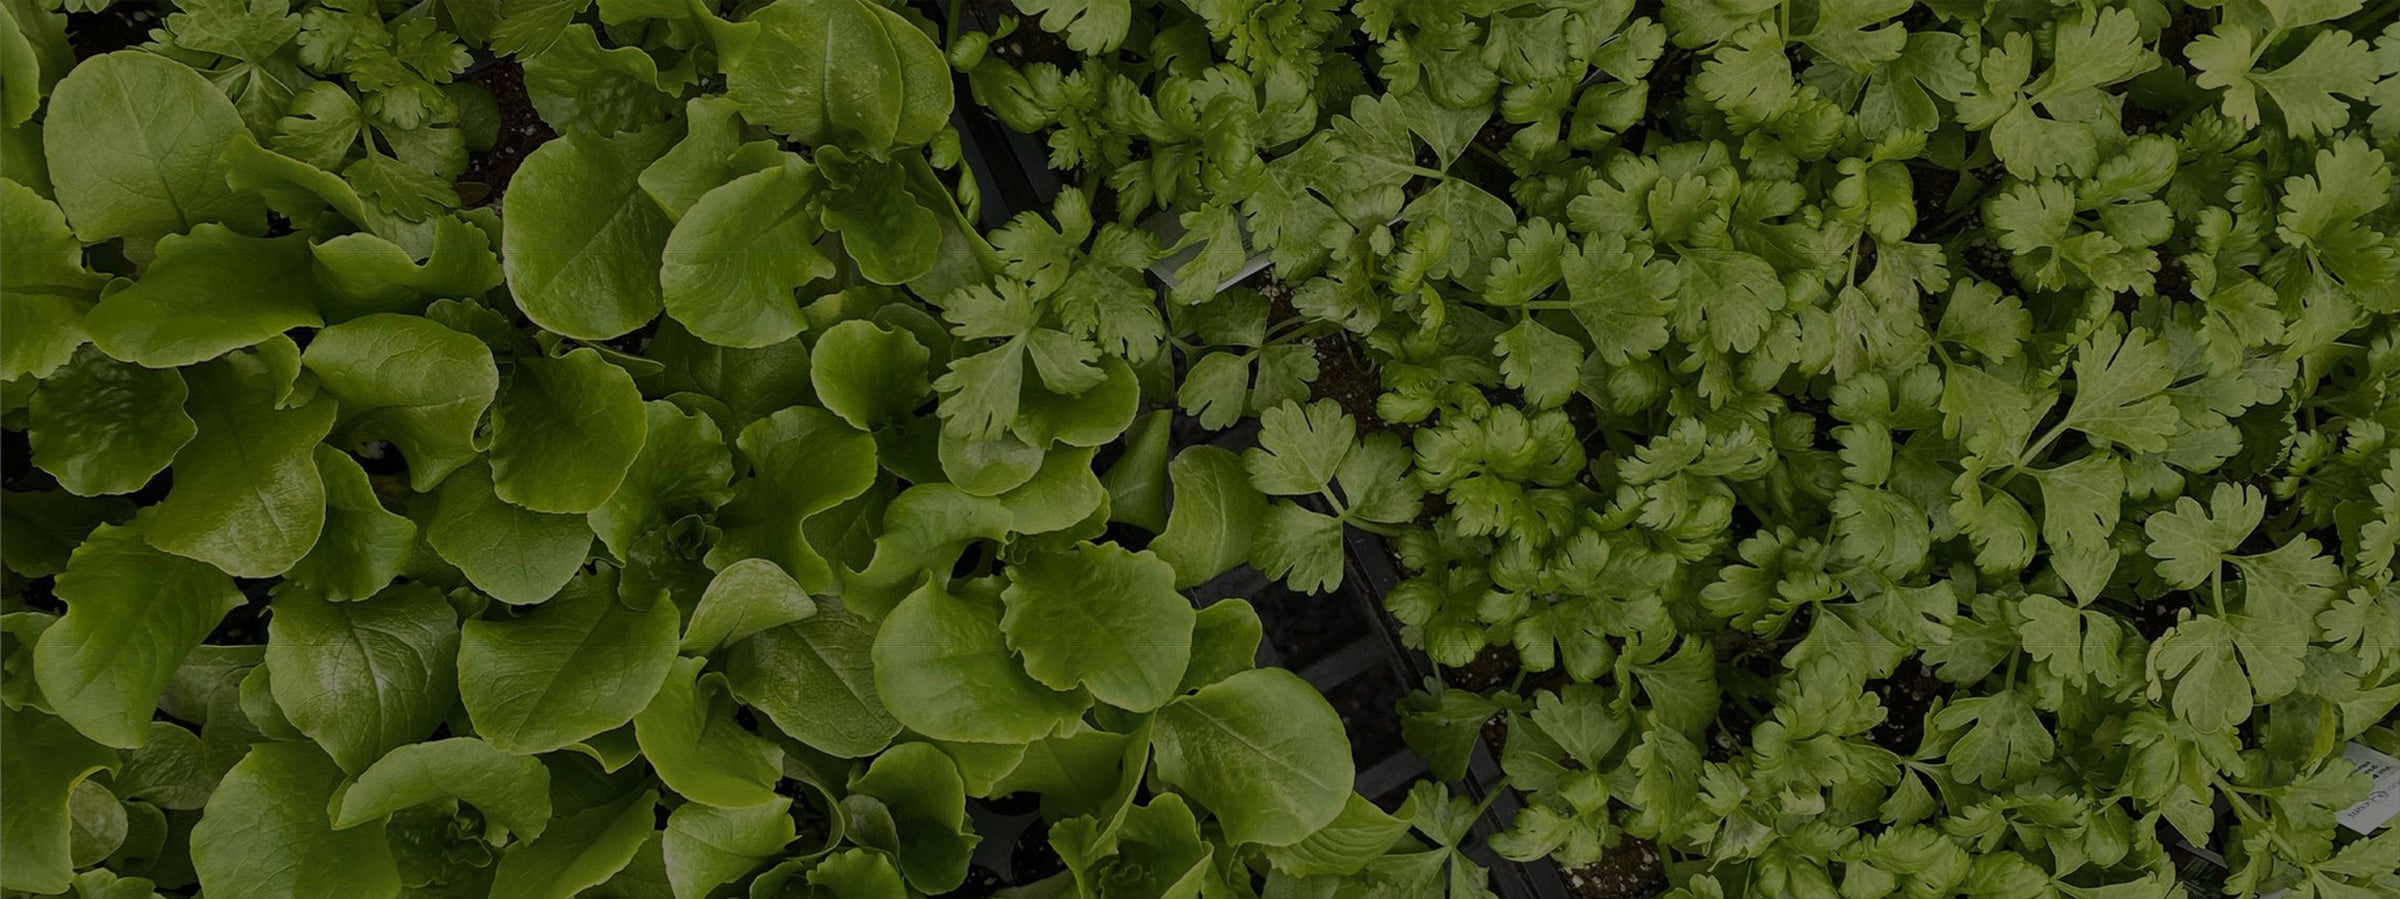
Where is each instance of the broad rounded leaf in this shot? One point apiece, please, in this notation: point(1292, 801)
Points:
point(170, 771)
point(38, 529)
point(1077, 773)
point(1154, 849)
point(101, 426)
point(366, 273)
point(1262, 750)
point(510, 790)
point(364, 678)
point(267, 833)
point(925, 530)
point(1213, 517)
point(803, 461)
point(1062, 493)
point(364, 544)
point(579, 851)
point(1103, 618)
point(44, 289)
point(566, 432)
point(815, 679)
point(1094, 418)
point(292, 188)
point(709, 847)
point(209, 292)
point(1225, 639)
point(1137, 482)
point(752, 384)
point(248, 497)
point(987, 467)
point(689, 735)
point(921, 788)
point(888, 230)
point(98, 824)
point(737, 259)
point(579, 86)
point(943, 670)
point(1358, 836)
point(47, 760)
point(846, 72)
point(858, 874)
point(869, 375)
point(749, 596)
point(583, 241)
point(410, 381)
point(132, 140)
point(711, 153)
point(518, 556)
point(132, 614)
point(684, 468)
point(567, 670)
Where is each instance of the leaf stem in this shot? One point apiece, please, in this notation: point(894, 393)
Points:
point(2034, 452)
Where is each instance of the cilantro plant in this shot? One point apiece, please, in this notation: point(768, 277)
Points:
point(1867, 448)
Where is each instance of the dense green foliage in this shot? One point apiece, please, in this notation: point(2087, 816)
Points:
point(1858, 448)
point(603, 533)
point(1883, 448)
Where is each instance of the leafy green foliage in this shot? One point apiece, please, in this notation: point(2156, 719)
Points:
point(678, 517)
point(1854, 422)
point(1901, 450)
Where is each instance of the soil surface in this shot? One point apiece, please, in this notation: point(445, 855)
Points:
point(116, 28)
point(1035, 858)
point(1495, 665)
point(1906, 695)
point(1630, 870)
point(1346, 377)
point(521, 131)
point(1028, 44)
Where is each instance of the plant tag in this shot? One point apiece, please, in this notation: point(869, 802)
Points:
point(2384, 802)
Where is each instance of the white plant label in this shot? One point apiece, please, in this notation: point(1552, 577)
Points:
point(2384, 802)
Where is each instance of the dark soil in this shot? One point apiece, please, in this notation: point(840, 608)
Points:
point(1746, 667)
point(247, 623)
point(1495, 733)
point(521, 131)
point(1345, 376)
point(1018, 803)
point(1028, 44)
point(1906, 696)
point(2174, 280)
point(635, 342)
point(1495, 665)
point(16, 464)
point(39, 594)
point(981, 881)
point(1034, 857)
point(1630, 870)
point(116, 28)
point(1931, 187)
point(2153, 618)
